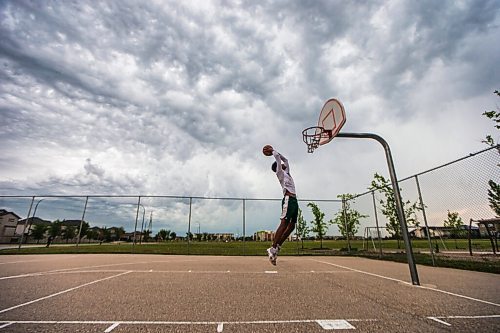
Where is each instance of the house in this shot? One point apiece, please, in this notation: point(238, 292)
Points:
point(447, 232)
point(264, 236)
point(28, 230)
point(8, 224)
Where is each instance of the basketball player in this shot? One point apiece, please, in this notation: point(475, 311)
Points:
point(289, 205)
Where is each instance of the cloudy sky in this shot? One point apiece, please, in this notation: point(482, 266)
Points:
point(178, 97)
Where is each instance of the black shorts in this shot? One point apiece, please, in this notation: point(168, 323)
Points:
point(289, 209)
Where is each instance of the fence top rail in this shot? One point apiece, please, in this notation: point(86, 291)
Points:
point(156, 196)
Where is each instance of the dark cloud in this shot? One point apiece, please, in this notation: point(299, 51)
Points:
point(179, 97)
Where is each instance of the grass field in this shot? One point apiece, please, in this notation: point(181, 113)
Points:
point(328, 247)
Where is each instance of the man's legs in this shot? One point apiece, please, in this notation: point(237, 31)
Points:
point(279, 233)
point(288, 231)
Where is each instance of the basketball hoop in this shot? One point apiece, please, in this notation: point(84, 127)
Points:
point(313, 135)
point(331, 119)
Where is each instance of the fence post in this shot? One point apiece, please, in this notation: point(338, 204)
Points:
point(26, 223)
point(136, 217)
point(425, 220)
point(376, 223)
point(81, 222)
point(189, 222)
point(244, 230)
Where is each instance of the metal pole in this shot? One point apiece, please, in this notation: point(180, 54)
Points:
point(397, 197)
point(189, 221)
point(425, 220)
point(136, 217)
point(345, 225)
point(376, 223)
point(81, 222)
point(142, 225)
point(32, 217)
point(244, 227)
point(24, 229)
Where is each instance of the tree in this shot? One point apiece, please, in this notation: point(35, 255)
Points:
point(69, 233)
point(494, 197)
point(163, 234)
point(494, 191)
point(119, 232)
point(55, 229)
point(319, 226)
point(389, 210)
point(302, 229)
point(173, 235)
point(38, 232)
point(147, 235)
point(454, 222)
point(92, 234)
point(83, 232)
point(347, 219)
point(495, 116)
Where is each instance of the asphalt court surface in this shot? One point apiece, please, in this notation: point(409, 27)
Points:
point(156, 293)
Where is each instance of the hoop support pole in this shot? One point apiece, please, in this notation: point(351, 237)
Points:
point(397, 196)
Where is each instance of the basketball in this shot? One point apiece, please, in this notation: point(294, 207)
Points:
point(267, 150)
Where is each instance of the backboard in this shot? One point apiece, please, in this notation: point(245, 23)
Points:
point(331, 118)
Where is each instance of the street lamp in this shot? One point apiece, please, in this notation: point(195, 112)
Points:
point(32, 216)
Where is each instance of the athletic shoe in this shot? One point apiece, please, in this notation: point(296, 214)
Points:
point(272, 254)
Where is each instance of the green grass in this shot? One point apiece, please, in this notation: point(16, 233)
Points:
point(329, 247)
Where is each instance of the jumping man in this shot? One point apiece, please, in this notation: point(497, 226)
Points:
point(289, 205)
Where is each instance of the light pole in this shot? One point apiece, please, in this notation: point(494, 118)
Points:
point(32, 216)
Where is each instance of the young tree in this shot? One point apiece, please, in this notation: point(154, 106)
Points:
point(55, 229)
point(119, 232)
point(38, 232)
point(163, 234)
point(389, 210)
point(319, 226)
point(147, 235)
point(347, 219)
point(494, 191)
point(495, 116)
point(302, 229)
point(494, 197)
point(69, 233)
point(454, 221)
point(83, 232)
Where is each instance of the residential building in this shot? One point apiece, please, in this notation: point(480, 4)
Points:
point(32, 221)
point(264, 236)
point(8, 224)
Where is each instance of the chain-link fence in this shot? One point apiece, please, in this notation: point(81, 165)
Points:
point(224, 225)
point(236, 225)
point(453, 192)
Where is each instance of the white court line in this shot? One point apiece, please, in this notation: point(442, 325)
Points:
point(438, 318)
point(439, 321)
point(220, 327)
point(143, 322)
point(87, 267)
point(73, 271)
point(407, 283)
point(6, 324)
point(61, 292)
point(112, 327)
